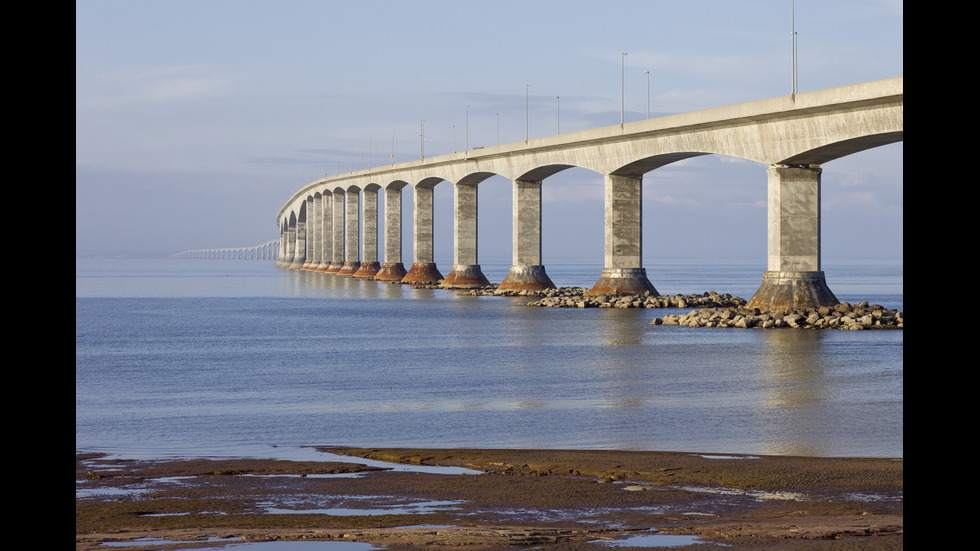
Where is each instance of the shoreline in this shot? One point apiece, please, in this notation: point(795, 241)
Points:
point(548, 499)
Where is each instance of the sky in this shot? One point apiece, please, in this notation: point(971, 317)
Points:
point(196, 120)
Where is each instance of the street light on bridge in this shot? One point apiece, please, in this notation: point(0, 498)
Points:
point(527, 111)
point(622, 105)
point(648, 94)
point(557, 115)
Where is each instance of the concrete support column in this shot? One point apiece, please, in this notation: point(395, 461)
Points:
point(326, 236)
point(308, 242)
point(623, 272)
point(290, 246)
point(369, 255)
point(465, 273)
point(526, 270)
point(423, 269)
point(392, 268)
point(338, 233)
point(314, 229)
point(299, 249)
point(352, 242)
point(793, 278)
point(281, 253)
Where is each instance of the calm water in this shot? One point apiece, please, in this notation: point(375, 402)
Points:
point(234, 357)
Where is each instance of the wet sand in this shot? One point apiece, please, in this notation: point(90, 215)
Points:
point(521, 499)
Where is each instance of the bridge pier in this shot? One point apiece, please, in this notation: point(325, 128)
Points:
point(622, 272)
point(527, 272)
point(423, 270)
point(793, 278)
point(337, 208)
point(326, 236)
point(281, 254)
point(299, 242)
point(392, 269)
point(369, 258)
point(351, 240)
point(466, 272)
point(313, 231)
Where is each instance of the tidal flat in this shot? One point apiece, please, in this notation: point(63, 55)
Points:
point(505, 499)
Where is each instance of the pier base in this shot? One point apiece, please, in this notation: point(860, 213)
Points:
point(334, 267)
point(324, 266)
point(423, 273)
point(525, 277)
point(391, 271)
point(623, 281)
point(349, 269)
point(782, 291)
point(465, 276)
point(367, 269)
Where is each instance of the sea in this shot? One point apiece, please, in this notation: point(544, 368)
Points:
point(241, 358)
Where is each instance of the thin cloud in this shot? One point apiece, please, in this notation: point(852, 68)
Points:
point(154, 86)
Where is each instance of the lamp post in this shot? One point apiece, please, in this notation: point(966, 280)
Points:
point(558, 115)
point(793, 26)
point(622, 104)
point(527, 111)
point(648, 94)
point(467, 128)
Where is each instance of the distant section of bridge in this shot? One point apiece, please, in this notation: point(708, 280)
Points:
point(265, 251)
point(321, 225)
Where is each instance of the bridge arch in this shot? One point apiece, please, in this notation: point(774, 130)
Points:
point(832, 151)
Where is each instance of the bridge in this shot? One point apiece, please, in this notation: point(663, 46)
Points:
point(321, 224)
point(265, 251)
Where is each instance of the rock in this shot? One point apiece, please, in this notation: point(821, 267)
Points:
point(857, 318)
point(715, 310)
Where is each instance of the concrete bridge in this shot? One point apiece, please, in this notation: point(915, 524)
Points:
point(321, 224)
point(265, 251)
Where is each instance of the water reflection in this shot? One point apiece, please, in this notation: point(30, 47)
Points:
point(621, 326)
point(794, 373)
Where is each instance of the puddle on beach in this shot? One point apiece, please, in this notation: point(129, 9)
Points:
point(591, 515)
point(432, 469)
point(313, 475)
point(652, 540)
point(257, 546)
point(393, 507)
point(285, 453)
point(131, 490)
point(727, 456)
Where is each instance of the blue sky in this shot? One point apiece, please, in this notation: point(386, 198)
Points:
point(196, 120)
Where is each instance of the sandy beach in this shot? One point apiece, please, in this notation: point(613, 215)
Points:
point(517, 499)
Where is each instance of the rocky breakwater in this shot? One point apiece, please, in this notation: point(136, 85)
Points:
point(715, 310)
point(575, 297)
point(842, 316)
